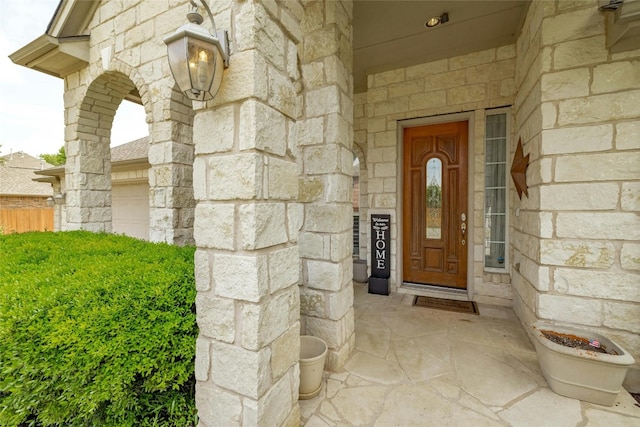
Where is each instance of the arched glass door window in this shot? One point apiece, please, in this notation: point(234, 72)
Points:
point(434, 199)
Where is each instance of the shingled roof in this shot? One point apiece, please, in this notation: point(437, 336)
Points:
point(17, 173)
point(134, 150)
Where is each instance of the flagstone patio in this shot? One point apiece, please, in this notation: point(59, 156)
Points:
point(415, 366)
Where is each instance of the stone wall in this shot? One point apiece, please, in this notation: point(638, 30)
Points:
point(247, 221)
point(578, 235)
point(325, 137)
point(468, 84)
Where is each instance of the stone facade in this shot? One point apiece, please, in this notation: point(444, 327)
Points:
point(260, 177)
point(127, 56)
point(578, 114)
point(468, 86)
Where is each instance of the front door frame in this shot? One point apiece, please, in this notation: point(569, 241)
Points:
point(467, 294)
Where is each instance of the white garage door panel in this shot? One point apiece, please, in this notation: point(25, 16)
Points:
point(130, 206)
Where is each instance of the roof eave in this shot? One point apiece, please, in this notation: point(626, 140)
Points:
point(64, 48)
point(58, 57)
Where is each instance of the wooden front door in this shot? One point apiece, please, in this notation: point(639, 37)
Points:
point(435, 216)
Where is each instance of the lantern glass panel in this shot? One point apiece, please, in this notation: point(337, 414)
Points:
point(202, 64)
point(177, 52)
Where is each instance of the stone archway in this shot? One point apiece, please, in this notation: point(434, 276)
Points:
point(88, 167)
point(171, 154)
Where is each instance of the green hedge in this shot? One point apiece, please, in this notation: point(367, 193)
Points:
point(96, 330)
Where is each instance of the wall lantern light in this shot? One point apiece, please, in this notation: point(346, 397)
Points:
point(58, 199)
point(437, 20)
point(197, 57)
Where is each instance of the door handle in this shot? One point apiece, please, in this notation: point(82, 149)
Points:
point(463, 227)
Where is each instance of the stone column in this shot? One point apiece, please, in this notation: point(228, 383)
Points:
point(326, 133)
point(246, 225)
point(171, 182)
point(88, 166)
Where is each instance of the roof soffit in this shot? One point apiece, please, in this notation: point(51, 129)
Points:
point(64, 48)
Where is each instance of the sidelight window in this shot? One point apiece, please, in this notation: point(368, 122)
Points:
point(495, 192)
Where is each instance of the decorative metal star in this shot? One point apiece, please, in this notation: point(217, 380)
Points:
point(519, 170)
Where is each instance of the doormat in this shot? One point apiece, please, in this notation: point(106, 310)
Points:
point(636, 396)
point(468, 307)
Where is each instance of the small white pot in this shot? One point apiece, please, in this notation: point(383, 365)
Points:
point(313, 353)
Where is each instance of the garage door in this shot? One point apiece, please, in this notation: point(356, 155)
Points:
point(130, 205)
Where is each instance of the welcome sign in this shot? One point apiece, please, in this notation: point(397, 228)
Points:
point(380, 254)
point(380, 245)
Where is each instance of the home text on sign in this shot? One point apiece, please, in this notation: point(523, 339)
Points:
point(380, 245)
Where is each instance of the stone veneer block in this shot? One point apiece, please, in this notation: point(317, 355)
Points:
point(587, 197)
point(630, 199)
point(262, 225)
point(597, 284)
point(324, 275)
point(239, 370)
point(284, 268)
point(575, 253)
point(577, 139)
point(622, 315)
point(321, 159)
point(275, 407)
point(601, 167)
point(285, 351)
point(214, 130)
point(628, 135)
point(264, 322)
point(599, 108)
point(202, 270)
point(339, 303)
point(213, 317)
point(314, 245)
point(311, 131)
point(568, 309)
point(599, 225)
point(616, 77)
point(220, 236)
point(582, 52)
point(571, 26)
point(217, 405)
point(203, 357)
point(239, 277)
point(565, 84)
point(323, 101)
point(328, 217)
point(334, 332)
point(239, 82)
point(630, 256)
point(261, 128)
point(235, 176)
point(312, 302)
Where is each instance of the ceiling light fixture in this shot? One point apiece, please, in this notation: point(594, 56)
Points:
point(437, 20)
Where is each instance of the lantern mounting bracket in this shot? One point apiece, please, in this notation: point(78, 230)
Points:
point(195, 17)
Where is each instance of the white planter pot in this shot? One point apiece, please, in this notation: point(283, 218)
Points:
point(581, 374)
point(313, 353)
point(360, 270)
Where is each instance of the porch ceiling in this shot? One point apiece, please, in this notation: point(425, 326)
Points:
point(388, 34)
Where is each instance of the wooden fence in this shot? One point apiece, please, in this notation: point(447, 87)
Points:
point(22, 220)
